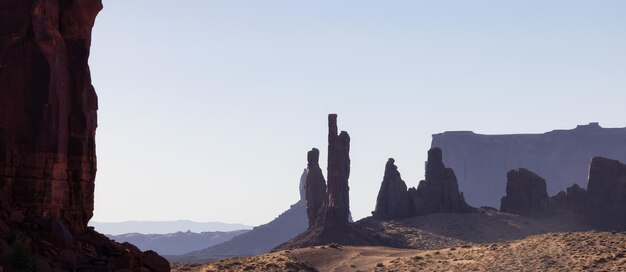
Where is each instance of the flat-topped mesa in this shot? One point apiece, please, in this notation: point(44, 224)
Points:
point(338, 206)
point(525, 193)
point(606, 192)
point(393, 200)
point(480, 161)
point(315, 187)
point(439, 192)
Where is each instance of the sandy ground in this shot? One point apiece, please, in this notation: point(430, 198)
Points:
point(436, 231)
point(571, 251)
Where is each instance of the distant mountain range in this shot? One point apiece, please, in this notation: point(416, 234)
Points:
point(259, 240)
point(163, 227)
point(176, 243)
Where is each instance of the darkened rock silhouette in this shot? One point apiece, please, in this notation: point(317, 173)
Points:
point(525, 193)
point(602, 205)
point(561, 157)
point(47, 137)
point(338, 205)
point(572, 199)
point(439, 192)
point(393, 199)
point(47, 109)
point(606, 192)
point(315, 187)
point(333, 224)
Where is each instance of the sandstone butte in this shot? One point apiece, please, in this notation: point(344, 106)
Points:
point(48, 122)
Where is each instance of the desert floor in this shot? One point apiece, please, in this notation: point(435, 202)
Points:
point(569, 251)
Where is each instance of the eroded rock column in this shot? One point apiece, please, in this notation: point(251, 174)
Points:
point(393, 199)
point(338, 209)
point(315, 187)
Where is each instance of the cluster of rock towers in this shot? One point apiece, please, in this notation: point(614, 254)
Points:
point(602, 204)
point(437, 193)
point(329, 203)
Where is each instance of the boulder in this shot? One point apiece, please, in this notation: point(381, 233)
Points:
point(155, 262)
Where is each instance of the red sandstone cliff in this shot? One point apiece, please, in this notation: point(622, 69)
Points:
point(47, 142)
point(47, 109)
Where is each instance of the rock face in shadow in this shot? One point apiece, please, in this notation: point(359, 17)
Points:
point(315, 187)
point(525, 193)
point(393, 200)
point(47, 139)
point(439, 192)
point(338, 205)
point(602, 205)
point(47, 109)
point(606, 192)
point(561, 157)
point(333, 223)
point(572, 199)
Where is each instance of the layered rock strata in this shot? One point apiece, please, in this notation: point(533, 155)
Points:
point(47, 142)
point(47, 109)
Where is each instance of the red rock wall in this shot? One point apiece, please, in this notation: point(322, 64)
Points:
point(47, 109)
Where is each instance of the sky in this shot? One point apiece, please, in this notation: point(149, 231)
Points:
point(207, 108)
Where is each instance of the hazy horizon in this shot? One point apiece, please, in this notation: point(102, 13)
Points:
point(207, 108)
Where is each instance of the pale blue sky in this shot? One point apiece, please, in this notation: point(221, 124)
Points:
point(207, 108)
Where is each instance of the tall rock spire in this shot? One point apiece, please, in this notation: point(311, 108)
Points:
point(393, 200)
point(338, 208)
point(439, 192)
point(315, 187)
